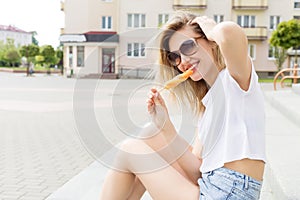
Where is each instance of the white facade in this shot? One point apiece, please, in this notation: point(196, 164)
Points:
point(139, 25)
point(19, 36)
point(90, 37)
point(134, 24)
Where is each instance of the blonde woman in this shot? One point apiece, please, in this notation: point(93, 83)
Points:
point(228, 157)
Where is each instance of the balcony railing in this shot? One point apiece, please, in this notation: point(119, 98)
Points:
point(189, 4)
point(256, 33)
point(250, 4)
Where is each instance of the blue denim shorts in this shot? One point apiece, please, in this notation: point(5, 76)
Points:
point(223, 183)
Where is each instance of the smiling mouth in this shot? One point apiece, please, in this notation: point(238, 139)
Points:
point(193, 66)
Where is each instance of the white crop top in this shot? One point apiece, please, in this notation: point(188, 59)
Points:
point(233, 124)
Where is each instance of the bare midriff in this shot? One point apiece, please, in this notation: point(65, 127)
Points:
point(252, 168)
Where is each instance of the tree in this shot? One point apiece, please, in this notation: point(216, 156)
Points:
point(29, 52)
point(286, 36)
point(34, 40)
point(9, 54)
point(280, 55)
point(48, 53)
point(12, 56)
point(60, 55)
point(2, 54)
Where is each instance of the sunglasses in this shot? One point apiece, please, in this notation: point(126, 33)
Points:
point(187, 48)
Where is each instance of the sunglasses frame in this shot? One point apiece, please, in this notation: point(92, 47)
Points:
point(179, 52)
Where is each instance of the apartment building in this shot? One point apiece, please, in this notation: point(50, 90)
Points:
point(90, 37)
point(115, 37)
point(19, 36)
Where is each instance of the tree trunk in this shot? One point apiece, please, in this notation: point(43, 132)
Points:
point(27, 69)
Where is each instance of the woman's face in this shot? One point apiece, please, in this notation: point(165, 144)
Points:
point(192, 57)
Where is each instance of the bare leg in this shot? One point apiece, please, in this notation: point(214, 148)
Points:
point(156, 143)
point(137, 191)
point(117, 185)
point(163, 183)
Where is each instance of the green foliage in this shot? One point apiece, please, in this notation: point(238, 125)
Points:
point(34, 40)
point(39, 60)
point(280, 57)
point(9, 54)
point(287, 35)
point(29, 51)
point(59, 56)
point(12, 56)
point(48, 53)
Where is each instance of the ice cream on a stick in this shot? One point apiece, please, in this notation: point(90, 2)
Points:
point(177, 79)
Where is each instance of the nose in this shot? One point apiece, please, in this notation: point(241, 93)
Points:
point(185, 62)
point(184, 58)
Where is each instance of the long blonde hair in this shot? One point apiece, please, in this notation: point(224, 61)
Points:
point(190, 91)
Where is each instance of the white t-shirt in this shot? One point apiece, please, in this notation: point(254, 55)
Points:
point(233, 124)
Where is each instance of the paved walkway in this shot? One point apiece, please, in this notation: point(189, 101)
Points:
point(43, 156)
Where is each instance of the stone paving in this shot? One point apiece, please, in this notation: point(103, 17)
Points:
point(40, 147)
point(40, 150)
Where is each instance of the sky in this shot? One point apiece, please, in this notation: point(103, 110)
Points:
point(42, 16)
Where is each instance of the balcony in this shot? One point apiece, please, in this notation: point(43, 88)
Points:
point(256, 33)
point(250, 4)
point(62, 6)
point(189, 4)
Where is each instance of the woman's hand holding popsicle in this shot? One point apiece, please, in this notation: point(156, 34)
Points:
point(156, 105)
point(157, 109)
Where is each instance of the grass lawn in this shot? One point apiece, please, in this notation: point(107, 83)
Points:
point(36, 68)
point(271, 80)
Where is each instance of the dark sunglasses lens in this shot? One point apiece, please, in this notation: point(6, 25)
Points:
point(174, 58)
point(188, 47)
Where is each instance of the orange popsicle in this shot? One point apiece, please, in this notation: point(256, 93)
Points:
point(177, 79)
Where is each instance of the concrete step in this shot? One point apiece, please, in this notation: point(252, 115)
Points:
point(296, 88)
point(85, 186)
point(282, 144)
point(281, 179)
point(100, 76)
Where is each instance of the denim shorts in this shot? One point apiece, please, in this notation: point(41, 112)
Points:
point(223, 183)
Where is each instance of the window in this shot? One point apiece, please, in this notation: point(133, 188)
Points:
point(271, 54)
point(296, 17)
point(251, 51)
point(162, 19)
point(246, 20)
point(136, 20)
point(80, 56)
point(107, 0)
point(297, 4)
point(106, 22)
point(135, 49)
point(274, 21)
point(219, 18)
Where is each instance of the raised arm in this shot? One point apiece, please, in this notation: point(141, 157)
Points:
point(233, 44)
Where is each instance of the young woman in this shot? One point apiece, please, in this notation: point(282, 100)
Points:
point(228, 157)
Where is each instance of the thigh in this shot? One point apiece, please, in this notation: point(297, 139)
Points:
point(161, 180)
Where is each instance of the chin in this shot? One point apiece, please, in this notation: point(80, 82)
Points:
point(196, 77)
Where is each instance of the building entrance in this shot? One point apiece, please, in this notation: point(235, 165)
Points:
point(108, 60)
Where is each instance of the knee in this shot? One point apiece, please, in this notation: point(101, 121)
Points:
point(134, 146)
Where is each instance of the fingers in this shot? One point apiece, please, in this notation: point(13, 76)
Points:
point(158, 100)
point(154, 98)
point(197, 20)
point(200, 20)
point(151, 101)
